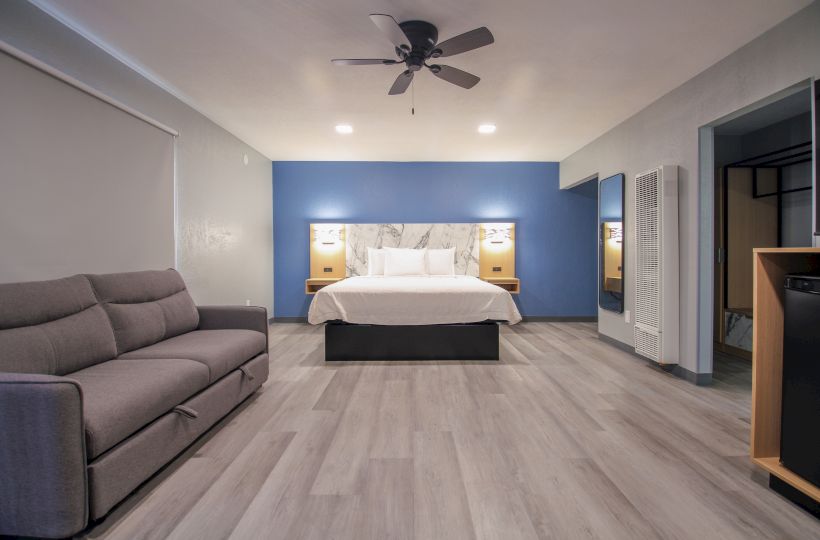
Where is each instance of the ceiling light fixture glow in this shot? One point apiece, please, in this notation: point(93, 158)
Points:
point(486, 128)
point(344, 129)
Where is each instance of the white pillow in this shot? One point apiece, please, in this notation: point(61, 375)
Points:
point(405, 262)
point(441, 262)
point(375, 262)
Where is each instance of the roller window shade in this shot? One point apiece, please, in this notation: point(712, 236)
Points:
point(84, 186)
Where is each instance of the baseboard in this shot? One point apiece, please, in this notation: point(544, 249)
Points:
point(699, 379)
point(527, 318)
point(620, 345)
point(733, 351)
point(288, 320)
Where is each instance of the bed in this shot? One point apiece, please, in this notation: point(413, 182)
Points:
point(412, 318)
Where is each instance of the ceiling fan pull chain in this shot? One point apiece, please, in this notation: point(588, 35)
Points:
point(413, 98)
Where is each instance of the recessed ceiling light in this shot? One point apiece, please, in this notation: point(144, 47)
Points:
point(486, 128)
point(344, 129)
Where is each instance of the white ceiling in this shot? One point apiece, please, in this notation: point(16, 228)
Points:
point(560, 73)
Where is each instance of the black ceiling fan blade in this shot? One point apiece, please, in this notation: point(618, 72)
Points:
point(391, 29)
point(465, 42)
point(402, 82)
point(455, 76)
point(363, 61)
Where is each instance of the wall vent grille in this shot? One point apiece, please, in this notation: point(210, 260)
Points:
point(647, 343)
point(647, 227)
point(656, 265)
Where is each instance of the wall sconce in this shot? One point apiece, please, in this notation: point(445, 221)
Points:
point(616, 232)
point(327, 234)
point(497, 233)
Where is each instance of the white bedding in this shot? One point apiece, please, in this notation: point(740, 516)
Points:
point(412, 300)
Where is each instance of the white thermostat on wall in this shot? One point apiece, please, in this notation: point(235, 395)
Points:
point(245, 159)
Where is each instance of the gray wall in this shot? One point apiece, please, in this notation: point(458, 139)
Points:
point(666, 132)
point(223, 215)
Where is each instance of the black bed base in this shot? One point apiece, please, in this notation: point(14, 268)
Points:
point(477, 341)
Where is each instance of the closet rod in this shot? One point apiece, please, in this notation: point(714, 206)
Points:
point(39, 65)
point(742, 162)
point(772, 162)
point(782, 192)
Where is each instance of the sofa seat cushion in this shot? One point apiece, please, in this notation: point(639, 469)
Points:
point(120, 397)
point(220, 350)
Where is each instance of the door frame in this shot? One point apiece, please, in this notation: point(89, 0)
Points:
point(706, 221)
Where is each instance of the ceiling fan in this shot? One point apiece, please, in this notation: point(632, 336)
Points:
point(416, 43)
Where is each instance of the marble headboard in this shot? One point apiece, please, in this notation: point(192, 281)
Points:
point(464, 237)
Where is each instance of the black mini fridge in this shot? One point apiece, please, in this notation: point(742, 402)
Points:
point(800, 421)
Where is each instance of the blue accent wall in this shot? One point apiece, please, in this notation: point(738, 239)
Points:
point(556, 233)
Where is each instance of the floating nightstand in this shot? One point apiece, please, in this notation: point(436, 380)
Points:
point(312, 285)
point(511, 284)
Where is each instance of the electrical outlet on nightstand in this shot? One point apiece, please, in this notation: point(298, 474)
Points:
point(627, 316)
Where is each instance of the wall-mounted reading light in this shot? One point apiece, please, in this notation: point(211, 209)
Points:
point(497, 233)
point(616, 232)
point(327, 234)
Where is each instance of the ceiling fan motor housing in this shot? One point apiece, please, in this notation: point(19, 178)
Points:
point(423, 37)
point(415, 43)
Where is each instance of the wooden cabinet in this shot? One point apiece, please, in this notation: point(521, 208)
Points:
point(770, 268)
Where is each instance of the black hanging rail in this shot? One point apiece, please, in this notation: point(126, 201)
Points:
point(795, 155)
point(747, 161)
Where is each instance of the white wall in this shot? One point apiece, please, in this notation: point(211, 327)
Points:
point(666, 132)
point(224, 207)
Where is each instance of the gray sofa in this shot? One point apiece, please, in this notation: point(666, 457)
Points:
point(103, 380)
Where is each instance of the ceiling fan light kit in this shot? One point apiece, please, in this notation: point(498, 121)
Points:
point(415, 43)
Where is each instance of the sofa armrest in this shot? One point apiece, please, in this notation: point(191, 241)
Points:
point(234, 317)
point(42, 456)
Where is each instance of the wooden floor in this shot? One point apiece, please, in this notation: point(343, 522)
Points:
point(566, 437)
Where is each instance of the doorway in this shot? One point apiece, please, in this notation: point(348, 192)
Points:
point(762, 198)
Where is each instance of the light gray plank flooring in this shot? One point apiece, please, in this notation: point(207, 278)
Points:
point(566, 437)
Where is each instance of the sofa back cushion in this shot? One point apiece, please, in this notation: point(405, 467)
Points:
point(53, 327)
point(145, 307)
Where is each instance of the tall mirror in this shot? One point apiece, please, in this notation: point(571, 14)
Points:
point(611, 242)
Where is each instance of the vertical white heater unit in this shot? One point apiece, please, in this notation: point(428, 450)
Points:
point(657, 293)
